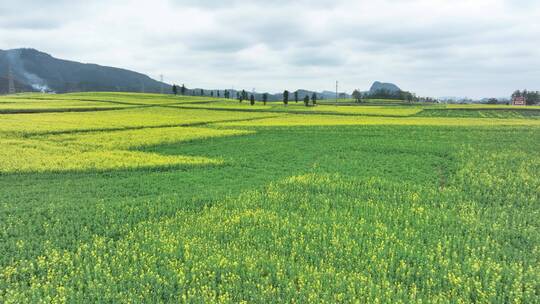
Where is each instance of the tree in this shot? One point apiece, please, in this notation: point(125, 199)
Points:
point(384, 94)
point(265, 98)
point(314, 98)
point(357, 96)
point(531, 97)
point(212, 93)
point(218, 93)
point(202, 92)
point(285, 97)
point(296, 96)
point(492, 101)
point(183, 90)
point(407, 96)
point(306, 101)
point(410, 97)
point(175, 89)
point(226, 94)
point(252, 99)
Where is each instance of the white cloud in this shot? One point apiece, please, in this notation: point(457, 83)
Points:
point(433, 47)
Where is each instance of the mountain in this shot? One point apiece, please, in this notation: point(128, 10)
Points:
point(382, 86)
point(332, 95)
point(37, 71)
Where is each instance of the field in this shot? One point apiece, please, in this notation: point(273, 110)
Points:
point(129, 198)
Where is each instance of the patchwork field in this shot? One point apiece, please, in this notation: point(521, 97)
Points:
point(129, 198)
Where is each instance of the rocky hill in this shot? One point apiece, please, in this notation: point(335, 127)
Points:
point(383, 86)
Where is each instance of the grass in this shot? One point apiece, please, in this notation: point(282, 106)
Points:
point(130, 206)
point(482, 113)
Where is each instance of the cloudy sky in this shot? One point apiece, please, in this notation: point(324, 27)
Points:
point(475, 48)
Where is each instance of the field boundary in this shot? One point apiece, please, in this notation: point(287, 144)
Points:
point(291, 112)
point(65, 110)
point(97, 130)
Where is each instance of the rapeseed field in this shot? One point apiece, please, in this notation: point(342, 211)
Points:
point(198, 200)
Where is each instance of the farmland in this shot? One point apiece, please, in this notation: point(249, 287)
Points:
point(113, 197)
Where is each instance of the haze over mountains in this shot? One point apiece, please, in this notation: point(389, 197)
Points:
point(35, 71)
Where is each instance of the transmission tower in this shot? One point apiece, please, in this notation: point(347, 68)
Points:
point(11, 82)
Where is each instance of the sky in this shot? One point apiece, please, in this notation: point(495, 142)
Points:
point(474, 48)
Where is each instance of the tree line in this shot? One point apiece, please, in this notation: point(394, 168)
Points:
point(531, 97)
point(243, 95)
point(386, 94)
point(309, 100)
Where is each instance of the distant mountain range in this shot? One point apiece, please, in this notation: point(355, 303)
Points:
point(37, 71)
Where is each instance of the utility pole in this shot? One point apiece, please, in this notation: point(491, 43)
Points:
point(336, 92)
point(161, 80)
point(11, 82)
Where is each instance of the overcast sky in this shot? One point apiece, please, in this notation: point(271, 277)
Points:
point(475, 48)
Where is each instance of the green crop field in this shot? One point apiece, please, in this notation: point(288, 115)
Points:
point(130, 198)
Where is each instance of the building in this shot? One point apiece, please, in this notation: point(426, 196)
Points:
point(519, 101)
